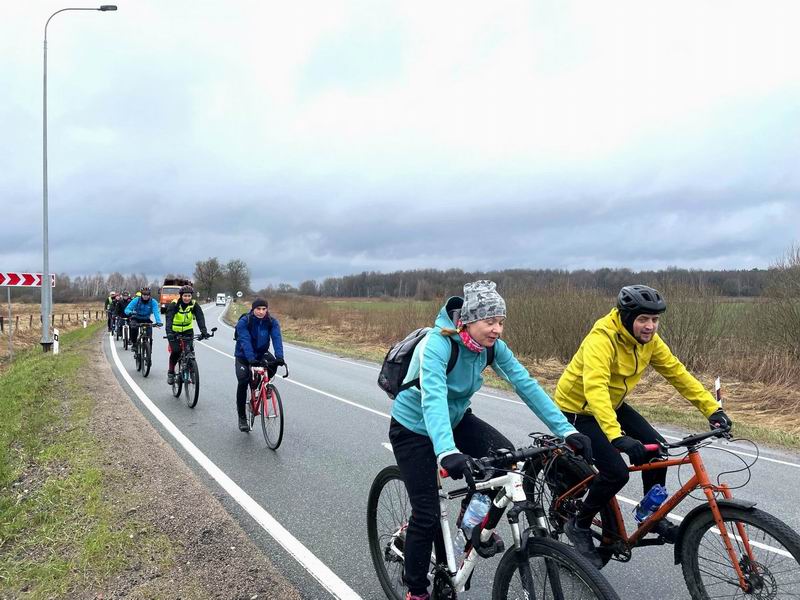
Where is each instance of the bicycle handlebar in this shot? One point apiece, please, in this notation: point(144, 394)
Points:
point(689, 441)
point(193, 336)
point(502, 457)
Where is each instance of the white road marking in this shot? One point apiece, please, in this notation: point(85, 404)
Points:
point(327, 578)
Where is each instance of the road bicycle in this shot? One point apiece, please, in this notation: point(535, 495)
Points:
point(534, 567)
point(187, 376)
point(143, 349)
point(725, 546)
point(266, 401)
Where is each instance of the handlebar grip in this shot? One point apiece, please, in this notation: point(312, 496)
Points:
point(652, 447)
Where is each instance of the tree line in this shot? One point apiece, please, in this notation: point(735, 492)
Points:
point(427, 284)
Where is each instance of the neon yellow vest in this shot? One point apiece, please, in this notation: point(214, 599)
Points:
point(182, 320)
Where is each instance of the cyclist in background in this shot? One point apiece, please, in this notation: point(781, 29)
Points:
point(254, 331)
point(140, 309)
point(120, 304)
point(433, 422)
point(109, 308)
point(181, 313)
point(591, 392)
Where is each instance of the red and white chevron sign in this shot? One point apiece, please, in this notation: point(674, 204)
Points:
point(24, 279)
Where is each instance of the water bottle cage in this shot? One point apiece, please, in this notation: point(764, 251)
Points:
point(494, 545)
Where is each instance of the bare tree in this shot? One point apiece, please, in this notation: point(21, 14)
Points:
point(209, 277)
point(237, 276)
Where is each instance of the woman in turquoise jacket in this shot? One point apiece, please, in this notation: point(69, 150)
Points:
point(433, 424)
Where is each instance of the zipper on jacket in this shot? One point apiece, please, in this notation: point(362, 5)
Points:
point(635, 369)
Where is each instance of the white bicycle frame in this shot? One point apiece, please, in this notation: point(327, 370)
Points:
point(512, 491)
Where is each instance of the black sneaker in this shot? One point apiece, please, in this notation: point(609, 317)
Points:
point(583, 542)
point(243, 424)
point(667, 530)
point(170, 378)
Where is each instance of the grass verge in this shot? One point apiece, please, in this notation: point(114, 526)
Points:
point(59, 533)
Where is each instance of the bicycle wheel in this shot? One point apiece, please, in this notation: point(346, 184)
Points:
point(192, 383)
point(177, 382)
point(137, 356)
point(553, 571)
point(771, 567)
point(553, 479)
point(248, 406)
point(125, 338)
point(388, 512)
point(147, 362)
point(271, 416)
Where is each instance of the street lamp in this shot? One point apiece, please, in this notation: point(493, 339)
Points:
point(47, 290)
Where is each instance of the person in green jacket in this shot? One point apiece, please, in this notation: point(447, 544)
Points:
point(591, 392)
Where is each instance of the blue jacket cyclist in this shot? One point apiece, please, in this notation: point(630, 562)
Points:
point(434, 422)
point(140, 309)
point(254, 331)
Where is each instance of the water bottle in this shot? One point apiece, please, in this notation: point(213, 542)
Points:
point(650, 503)
point(475, 513)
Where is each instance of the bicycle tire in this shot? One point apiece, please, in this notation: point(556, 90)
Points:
point(764, 578)
point(192, 383)
point(125, 338)
point(558, 571)
point(137, 356)
point(272, 416)
point(567, 472)
point(251, 415)
point(385, 532)
point(147, 359)
point(177, 384)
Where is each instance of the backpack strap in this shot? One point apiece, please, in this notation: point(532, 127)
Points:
point(489, 355)
point(451, 363)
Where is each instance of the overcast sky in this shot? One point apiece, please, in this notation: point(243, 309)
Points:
point(324, 138)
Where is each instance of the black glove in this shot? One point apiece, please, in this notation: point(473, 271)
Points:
point(581, 445)
point(204, 334)
point(280, 362)
point(457, 466)
point(719, 420)
point(633, 448)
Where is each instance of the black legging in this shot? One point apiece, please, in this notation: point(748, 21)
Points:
point(417, 462)
point(613, 471)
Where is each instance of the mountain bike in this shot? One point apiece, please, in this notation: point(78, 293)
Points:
point(187, 376)
point(534, 567)
point(725, 546)
point(266, 401)
point(143, 349)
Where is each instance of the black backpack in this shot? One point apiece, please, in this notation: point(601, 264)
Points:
point(395, 365)
point(247, 316)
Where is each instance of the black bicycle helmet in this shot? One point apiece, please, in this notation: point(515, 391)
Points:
point(641, 300)
point(145, 291)
point(186, 289)
point(125, 294)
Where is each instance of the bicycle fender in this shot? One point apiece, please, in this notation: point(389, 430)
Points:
point(703, 508)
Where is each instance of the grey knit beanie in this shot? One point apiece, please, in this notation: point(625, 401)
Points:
point(481, 301)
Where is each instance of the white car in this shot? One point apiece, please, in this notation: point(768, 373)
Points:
point(221, 300)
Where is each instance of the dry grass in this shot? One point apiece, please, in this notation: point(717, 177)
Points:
point(68, 317)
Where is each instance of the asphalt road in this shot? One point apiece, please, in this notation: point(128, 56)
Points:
point(311, 494)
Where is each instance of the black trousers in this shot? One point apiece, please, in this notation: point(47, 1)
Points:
point(417, 461)
point(243, 377)
point(609, 462)
point(134, 325)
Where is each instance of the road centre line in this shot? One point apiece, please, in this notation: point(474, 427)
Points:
point(314, 566)
point(509, 400)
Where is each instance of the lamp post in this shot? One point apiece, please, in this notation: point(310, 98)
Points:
point(47, 290)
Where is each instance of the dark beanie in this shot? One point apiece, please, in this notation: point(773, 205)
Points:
point(259, 302)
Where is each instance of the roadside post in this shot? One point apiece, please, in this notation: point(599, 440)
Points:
point(10, 329)
point(55, 341)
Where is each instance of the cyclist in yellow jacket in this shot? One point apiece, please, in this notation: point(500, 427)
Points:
point(591, 392)
point(181, 312)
